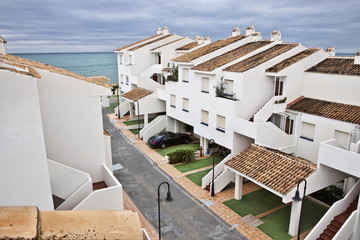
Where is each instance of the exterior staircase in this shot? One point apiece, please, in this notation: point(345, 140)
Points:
point(338, 221)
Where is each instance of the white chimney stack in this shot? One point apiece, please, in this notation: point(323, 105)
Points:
point(357, 57)
point(2, 46)
point(250, 30)
point(165, 30)
point(276, 35)
point(207, 40)
point(159, 31)
point(330, 51)
point(235, 32)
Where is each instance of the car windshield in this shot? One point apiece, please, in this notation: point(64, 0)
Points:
point(158, 136)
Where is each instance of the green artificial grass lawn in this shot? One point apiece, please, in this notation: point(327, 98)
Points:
point(164, 152)
point(254, 203)
point(276, 225)
point(197, 177)
point(134, 122)
point(186, 167)
point(112, 107)
point(134, 131)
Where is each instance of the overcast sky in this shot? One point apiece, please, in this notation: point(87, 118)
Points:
point(104, 25)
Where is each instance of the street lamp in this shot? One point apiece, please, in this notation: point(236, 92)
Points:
point(138, 116)
point(167, 199)
point(118, 103)
point(297, 198)
point(212, 141)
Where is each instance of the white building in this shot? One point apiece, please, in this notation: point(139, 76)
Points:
point(53, 149)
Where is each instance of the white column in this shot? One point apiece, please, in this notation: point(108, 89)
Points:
point(349, 183)
point(238, 186)
point(206, 145)
point(294, 218)
point(131, 110)
point(146, 119)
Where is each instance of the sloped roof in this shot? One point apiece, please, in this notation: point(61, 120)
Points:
point(292, 60)
point(140, 41)
point(333, 110)
point(3, 40)
point(211, 47)
point(168, 43)
point(136, 94)
point(31, 65)
point(188, 46)
point(228, 57)
point(100, 79)
point(337, 65)
point(260, 58)
point(150, 42)
point(274, 169)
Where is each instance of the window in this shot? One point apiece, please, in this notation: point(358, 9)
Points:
point(307, 131)
point(279, 85)
point(185, 106)
point(130, 59)
point(220, 123)
point(158, 58)
point(205, 117)
point(121, 59)
point(173, 101)
point(229, 88)
point(205, 85)
point(127, 80)
point(122, 79)
point(289, 125)
point(185, 75)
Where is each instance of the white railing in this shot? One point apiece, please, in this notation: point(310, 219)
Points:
point(155, 68)
point(154, 127)
point(124, 108)
point(207, 179)
point(109, 198)
point(333, 155)
point(223, 180)
point(68, 183)
point(161, 94)
point(148, 83)
point(348, 228)
point(336, 209)
point(267, 110)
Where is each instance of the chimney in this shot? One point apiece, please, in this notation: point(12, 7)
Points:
point(276, 35)
point(200, 40)
point(2, 46)
point(235, 32)
point(165, 30)
point(256, 36)
point(207, 40)
point(330, 51)
point(250, 30)
point(159, 31)
point(357, 57)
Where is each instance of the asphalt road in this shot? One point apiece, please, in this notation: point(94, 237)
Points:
point(185, 217)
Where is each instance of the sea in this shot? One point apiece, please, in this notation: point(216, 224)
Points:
point(88, 64)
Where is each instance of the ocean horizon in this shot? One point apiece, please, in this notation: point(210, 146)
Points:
point(88, 64)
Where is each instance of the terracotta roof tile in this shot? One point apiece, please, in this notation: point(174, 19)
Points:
point(188, 46)
point(260, 58)
point(337, 65)
point(168, 43)
point(274, 169)
point(291, 60)
point(136, 94)
point(333, 110)
point(30, 64)
point(132, 44)
point(211, 47)
point(230, 56)
point(3, 40)
point(150, 42)
point(100, 79)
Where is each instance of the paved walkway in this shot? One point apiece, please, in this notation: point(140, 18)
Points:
point(215, 203)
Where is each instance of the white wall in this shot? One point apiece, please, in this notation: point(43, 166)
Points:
point(72, 121)
point(24, 178)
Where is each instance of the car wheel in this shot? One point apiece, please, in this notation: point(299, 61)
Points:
point(187, 141)
point(163, 146)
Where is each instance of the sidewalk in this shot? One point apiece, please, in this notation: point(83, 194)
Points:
point(214, 203)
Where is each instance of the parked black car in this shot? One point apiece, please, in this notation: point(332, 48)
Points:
point(165, 139)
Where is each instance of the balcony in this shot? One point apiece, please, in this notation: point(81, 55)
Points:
point(333, 155)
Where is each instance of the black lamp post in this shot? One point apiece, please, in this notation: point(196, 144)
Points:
point(297, 198)
point(167, 199)
point(138, 108)
point(212, 141)
point(118, 103)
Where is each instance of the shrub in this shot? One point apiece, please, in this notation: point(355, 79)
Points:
point(182, 155)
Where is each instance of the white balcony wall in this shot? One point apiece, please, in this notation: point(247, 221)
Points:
point(333, 155)
point(109, 198)
point(108, 152)
point(150, 104)
point(24, 178)
point(148, 83)
point(268, 109)
point(154, 127)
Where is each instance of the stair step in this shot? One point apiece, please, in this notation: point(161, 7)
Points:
point(336, 224)
point(323, 236)
point(333, 228)
point(330, 233)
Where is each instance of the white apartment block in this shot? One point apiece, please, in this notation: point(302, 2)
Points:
point(286, 112)
point(54, 151)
